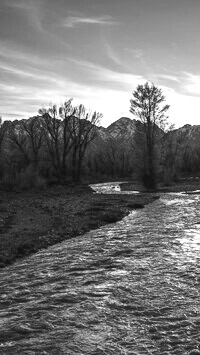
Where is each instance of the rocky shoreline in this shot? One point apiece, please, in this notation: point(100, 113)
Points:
point(33, 220)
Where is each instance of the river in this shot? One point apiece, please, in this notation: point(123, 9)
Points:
point(127, 288)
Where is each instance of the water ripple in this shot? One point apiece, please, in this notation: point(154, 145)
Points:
point(127, 288)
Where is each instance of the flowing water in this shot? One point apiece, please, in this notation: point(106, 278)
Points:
point(127, 288)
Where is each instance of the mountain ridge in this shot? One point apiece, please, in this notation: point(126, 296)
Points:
point(126, 127)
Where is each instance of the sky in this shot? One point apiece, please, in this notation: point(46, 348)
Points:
point(97, 52)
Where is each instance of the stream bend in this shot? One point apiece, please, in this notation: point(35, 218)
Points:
point(127, 288)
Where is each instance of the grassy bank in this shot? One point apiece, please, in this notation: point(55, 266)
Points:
point(33, 220)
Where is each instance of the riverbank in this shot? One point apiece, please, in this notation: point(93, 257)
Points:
point(33, 220)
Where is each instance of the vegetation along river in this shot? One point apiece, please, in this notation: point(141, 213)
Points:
point(127, 288)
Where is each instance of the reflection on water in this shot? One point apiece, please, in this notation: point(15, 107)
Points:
point(110, 188)
point(190, 243)
point(127, 288)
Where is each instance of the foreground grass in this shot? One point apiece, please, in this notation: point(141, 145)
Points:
point(34, 220)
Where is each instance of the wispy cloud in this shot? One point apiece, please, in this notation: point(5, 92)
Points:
point(111, 53)
point(20, 56)
point(19, 4)
point(34, 74)
point(191, 84)
point(74, 21)
point(28, 8)
point(138, 56)
point(169, 77)
point(101, 75)
point(183, 107)
point(166, 80)
point(27, 88)
point(137, 53)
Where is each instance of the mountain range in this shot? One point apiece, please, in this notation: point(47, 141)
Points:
point(126, 127)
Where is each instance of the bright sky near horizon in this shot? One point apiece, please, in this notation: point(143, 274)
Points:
point(98, 51)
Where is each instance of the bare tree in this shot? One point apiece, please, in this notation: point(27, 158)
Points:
point(3, 130)
point(67, 129)
point(19, 140)
point(34, 132)
point(57, 135)
point(25, 137)
point(82, 129)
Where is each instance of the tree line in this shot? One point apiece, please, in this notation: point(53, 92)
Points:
point(50, 146)
point(62, 144)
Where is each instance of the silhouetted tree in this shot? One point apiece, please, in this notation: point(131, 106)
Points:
point(171, 156)
point(68, 131)
point(146, 105)
point(3, 130)
point(57, 135)
point(82, 128)
point(34, 133)
point(19, 142)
